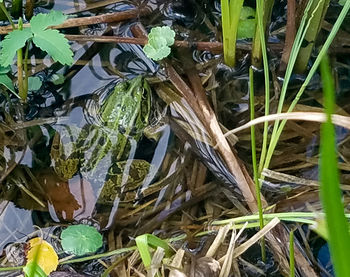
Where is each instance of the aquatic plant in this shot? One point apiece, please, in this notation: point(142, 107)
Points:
point(159, 41)
point(246, 24)
point(230, 11)
point(80, 239)
point(337, 225)
point(145, 242)
point(39, 33)
point(316, 16)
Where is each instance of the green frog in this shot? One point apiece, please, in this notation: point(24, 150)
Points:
point(103, 151)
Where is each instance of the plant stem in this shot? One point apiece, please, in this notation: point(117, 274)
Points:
point(291, 254)
point(3, 8)
point(318, 9)
point(21, 91)
point(255, 166)
point(25, 85)
point(230, 12)
point(260, 27)
point(265, 9)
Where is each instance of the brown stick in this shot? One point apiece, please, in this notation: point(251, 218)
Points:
point(83, 21)
point(214, 47)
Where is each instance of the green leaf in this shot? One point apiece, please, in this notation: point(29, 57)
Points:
point(159, 40)
point(41, 21)
point(7, 82)
point(331, 194)
point(55, 44)
point(34, 83)
point(163, 32)
point(156, 54)
point(4, 70)
point(144, 242)
point(246, 29)
point(13, 42)
point(81, 239)
point(247, 13)
point(246, 25)
point(57, 79)
point(156, 48)
point(33, 270)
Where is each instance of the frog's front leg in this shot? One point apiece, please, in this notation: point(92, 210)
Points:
point(66, 169)
point(65, 166)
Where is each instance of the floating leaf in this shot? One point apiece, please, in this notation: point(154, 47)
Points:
point(81, 239)
point(156, 49)
point(163, 32)
point(159, 40)
point(41, 254)
point(13, 42)
point(41, 21)
point(34, 83)
point(55, 44)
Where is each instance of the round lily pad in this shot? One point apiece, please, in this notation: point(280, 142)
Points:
point(81, 239)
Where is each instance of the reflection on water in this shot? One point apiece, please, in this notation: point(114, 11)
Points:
point(15, 223)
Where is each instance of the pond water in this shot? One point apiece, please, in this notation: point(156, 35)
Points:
point(185, 181)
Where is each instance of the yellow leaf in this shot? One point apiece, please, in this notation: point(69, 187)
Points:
point(42, 253)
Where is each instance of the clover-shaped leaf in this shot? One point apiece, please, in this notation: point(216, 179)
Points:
point(159, 40)
point(81, 239)
point(163, 32)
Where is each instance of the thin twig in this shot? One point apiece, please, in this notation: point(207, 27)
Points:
point(214, 47)
point(90, 20)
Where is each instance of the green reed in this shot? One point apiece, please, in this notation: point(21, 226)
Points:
point(279, 125)
point(230, 12)
point(291, 254)
point(331, 196)
point(254, 160)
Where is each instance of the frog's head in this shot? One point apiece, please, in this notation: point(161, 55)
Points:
point(127, 108)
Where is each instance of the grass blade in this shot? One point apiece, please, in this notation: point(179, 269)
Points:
point(339, 239)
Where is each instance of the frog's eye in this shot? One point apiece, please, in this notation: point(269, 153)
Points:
point(9, 133)
point(101, 141)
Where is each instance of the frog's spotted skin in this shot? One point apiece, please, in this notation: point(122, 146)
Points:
point(128, 174)
point(124, 115)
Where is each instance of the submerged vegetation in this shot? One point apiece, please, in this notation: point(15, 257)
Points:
point(139, 151)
